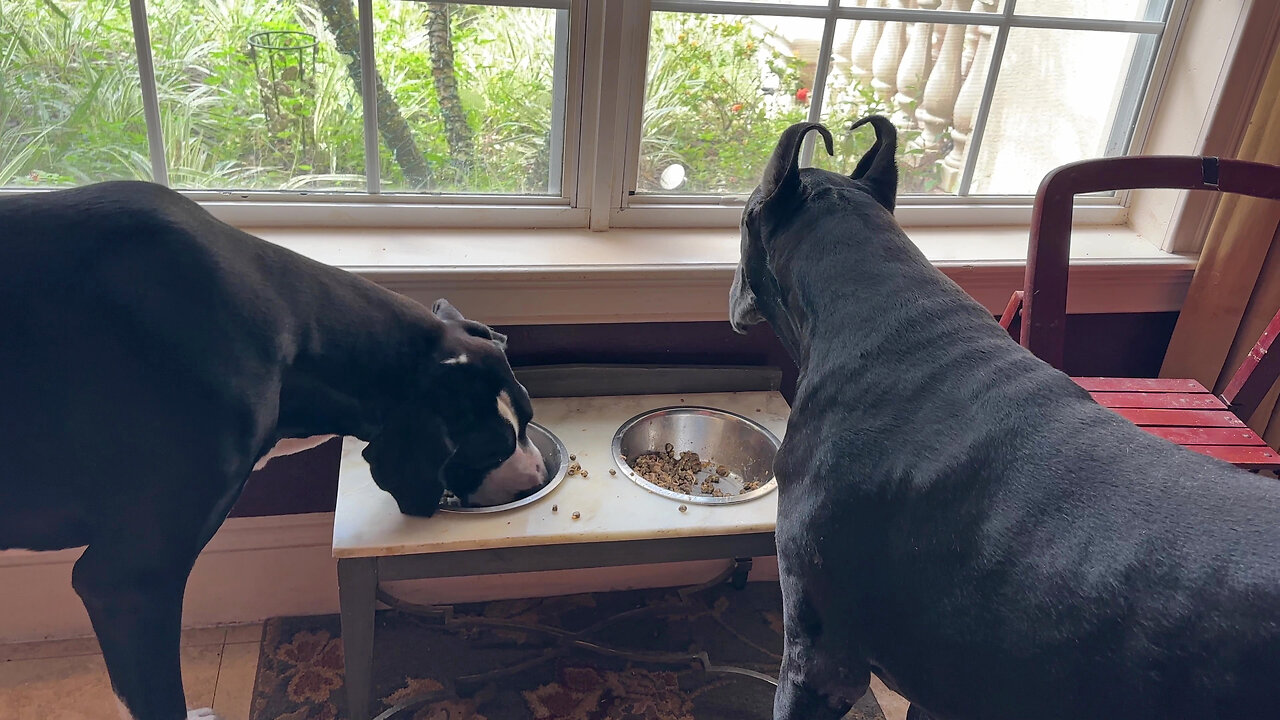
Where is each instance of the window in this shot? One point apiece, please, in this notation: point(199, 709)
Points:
point(562, 112)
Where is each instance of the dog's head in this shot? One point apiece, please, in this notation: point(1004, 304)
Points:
point(462, 426)
point(775, 214)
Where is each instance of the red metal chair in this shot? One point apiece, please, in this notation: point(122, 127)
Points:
point(1181, 410)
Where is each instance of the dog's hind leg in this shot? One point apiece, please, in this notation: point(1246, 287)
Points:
point(135, 603)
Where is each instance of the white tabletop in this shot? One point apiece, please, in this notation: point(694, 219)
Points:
point(610, 507)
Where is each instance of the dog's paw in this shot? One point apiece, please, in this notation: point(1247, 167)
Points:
point(202, 714)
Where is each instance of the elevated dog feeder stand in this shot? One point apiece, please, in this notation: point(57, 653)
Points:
point(1180, 410)
point(617, 522)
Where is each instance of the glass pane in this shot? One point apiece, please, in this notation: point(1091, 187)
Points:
point(1062, 96)
point(719, 90)
point(947, 5)
point(70, 103)
point(254, 94)
point(468, 104)
point(926, 77)
point(1096, 9)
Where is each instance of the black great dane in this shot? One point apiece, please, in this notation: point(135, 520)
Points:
point(963, 520)
point(151, 356)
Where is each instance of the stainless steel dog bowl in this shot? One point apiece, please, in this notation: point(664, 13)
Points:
point(554, 456)
point(744, 447)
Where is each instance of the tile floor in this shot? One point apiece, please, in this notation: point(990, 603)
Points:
point(66, 680)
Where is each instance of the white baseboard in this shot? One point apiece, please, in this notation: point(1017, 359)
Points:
point(256, 568)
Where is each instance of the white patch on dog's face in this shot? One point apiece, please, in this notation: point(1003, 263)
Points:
point(521, 472)
point(507, 411)
point(460, 360)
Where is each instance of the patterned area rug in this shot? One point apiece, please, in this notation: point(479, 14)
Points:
point(484, 666)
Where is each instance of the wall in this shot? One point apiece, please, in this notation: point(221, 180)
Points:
point(272, 558)
point(1111, 345)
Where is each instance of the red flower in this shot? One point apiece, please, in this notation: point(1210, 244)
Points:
point(802, 95)
point(737, 107)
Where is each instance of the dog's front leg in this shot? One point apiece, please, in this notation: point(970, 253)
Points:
point(820, 678)
point(135, 606)
point(795, 700)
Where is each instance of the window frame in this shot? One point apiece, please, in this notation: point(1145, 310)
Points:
point(376, 207)
point(634, 210)
point(606, 61)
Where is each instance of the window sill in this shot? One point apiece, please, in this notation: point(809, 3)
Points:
point(534, 277)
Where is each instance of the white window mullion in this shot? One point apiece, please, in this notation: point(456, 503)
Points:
point(984, 105)
point(816, 97)
point(150, 98)
point(631, 99)
point(577, 95)
point(559, 100)
point(604, 121)
point(369, 96)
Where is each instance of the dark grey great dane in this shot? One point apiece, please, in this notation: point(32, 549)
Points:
point(963, 520)
point(151, 356)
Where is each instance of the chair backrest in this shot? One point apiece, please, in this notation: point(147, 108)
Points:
point(1045, 289)
point(1256, 375)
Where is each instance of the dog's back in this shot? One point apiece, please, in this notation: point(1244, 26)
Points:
point(964, 520)
point(116, 303)
point(1009, 548)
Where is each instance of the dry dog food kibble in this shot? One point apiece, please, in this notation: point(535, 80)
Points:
point(682, 473)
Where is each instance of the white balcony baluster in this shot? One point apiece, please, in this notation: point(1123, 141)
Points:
point(937, 107)
point(888, 58)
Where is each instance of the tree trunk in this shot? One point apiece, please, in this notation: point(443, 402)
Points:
point(445, 76)
point(397, 134)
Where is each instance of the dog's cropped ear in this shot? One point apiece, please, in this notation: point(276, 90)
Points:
point(780, 183)
point(878, 169)
point(444, 310)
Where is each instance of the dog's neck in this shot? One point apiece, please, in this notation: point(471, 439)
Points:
point(867, 307)
point(350, 367)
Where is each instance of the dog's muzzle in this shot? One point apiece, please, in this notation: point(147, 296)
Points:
point(523, 471)
point(743, 312)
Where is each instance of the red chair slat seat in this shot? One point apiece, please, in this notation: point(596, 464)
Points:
point(1180, 410)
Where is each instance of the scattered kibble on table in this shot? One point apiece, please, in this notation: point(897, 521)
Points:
point(576, 514)
point(555, 508)
point(684, 508)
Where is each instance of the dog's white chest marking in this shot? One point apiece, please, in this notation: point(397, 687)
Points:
point(289, 446)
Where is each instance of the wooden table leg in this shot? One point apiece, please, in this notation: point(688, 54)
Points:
point(357, 596)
